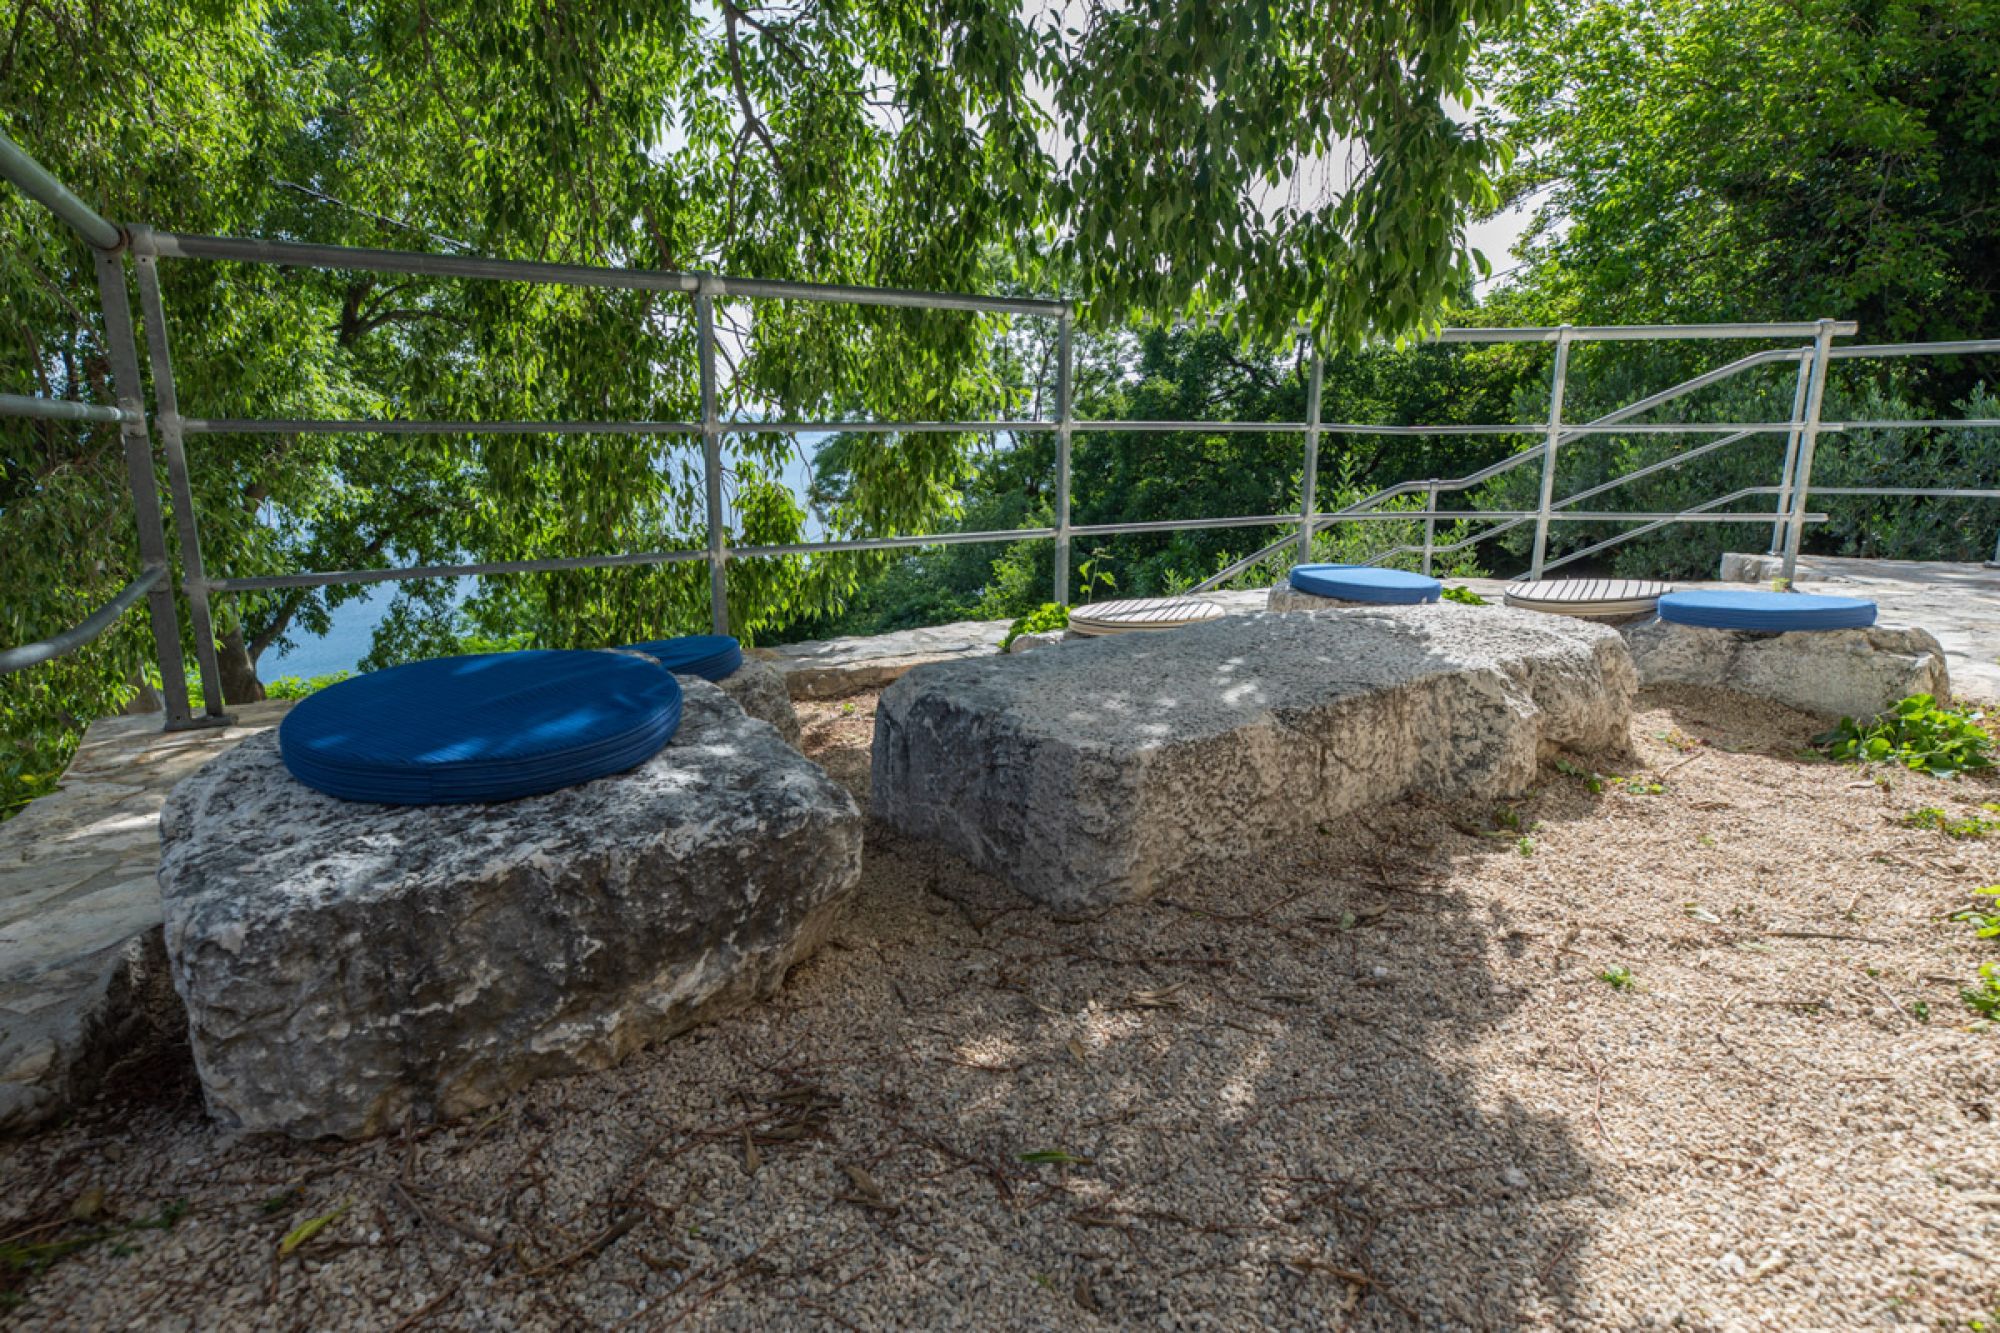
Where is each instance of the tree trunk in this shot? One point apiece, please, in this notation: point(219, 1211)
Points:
point(145, 699)
point(239, 670)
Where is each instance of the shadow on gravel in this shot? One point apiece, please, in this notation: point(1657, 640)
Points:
point(1255, 1098)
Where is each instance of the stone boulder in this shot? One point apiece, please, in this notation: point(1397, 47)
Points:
point(1284, 597)
point(346, 966)
point(759, 687)
point(1104, 771)
point(1027, 643)
point(1848, 672)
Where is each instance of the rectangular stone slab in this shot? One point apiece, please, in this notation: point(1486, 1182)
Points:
point(1098, 771)
point(347, 966)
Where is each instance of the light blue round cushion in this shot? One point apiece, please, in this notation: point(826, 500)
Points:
point(710, 656)
point(488, 727)
point(1766, 612)
point(1365, 583)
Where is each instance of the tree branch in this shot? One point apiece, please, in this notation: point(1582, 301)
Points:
point(750, 116)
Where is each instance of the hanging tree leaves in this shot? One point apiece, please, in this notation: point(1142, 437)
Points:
point(1287, 162)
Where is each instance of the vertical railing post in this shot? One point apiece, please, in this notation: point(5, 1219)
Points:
point(167, 413)
point(711, 457)
point(1065, 427)
point(1808, 442)
point(1309, 479)
point(1798, 418)
point(1430, 525)
point(122, 349)
point(1558, 385)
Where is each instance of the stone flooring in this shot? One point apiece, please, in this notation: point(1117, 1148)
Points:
point(76, 887)
point(77, 867)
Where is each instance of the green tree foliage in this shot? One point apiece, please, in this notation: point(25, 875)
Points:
point(887, 142)
point(1125, 477)
point(1699, 160)
point(1703, 159)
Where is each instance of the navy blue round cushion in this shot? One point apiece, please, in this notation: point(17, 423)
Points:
point(710, 656)
point(1365, 583)
point(1766, 612)
point(489, 727)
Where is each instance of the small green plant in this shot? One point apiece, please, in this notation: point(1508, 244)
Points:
point(1985, 921)
point(1917, 734)
point(1984, 998)
point(1461, 594)
point(1952, 826)
point(1093, 572)
point(1525, 845)
point(298, 687)
point(1617, 976)
point(1048, 616)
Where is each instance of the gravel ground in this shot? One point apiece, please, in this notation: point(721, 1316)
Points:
point(1372, 1079)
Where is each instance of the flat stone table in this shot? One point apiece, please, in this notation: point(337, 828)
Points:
point(1102, 771)
point(347, 966)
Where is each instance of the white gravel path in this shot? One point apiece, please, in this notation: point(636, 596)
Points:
point(1372, 1080)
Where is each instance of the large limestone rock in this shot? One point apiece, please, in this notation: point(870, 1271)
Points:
point(347, 965)
point(1103, 771)
point(830, 668)
point(1851, 672)
point(759, 688)
point(1284, 597)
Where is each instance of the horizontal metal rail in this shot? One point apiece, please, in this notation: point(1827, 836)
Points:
point(92, 625)
point(1933, 423)
point(383, 426)
point(1641, 332)
point(178, 245)
point(369, 426)
point(268, 582)
point(734, 427)
point(1957, 347)
point(1928, 492)
point(60, 409)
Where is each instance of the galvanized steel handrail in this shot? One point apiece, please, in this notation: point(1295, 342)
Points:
point(77, 635)
point(148, 245)
point(57, 409)
point(35, 182)
point(298, 254)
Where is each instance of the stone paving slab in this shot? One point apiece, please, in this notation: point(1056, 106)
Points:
point(80, 908)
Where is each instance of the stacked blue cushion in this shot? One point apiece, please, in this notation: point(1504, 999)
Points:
point(1365, 583)
point(710, 656)
point(488, 727)
point(1766, 612)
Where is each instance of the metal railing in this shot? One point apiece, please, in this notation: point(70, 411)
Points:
point(147, 246)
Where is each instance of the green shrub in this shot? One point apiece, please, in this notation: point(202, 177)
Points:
point(1984, 920)
point(1047, 616)
point(1984, 998)
point(1917, 734)
point(1959, 826)
point(298, 687)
